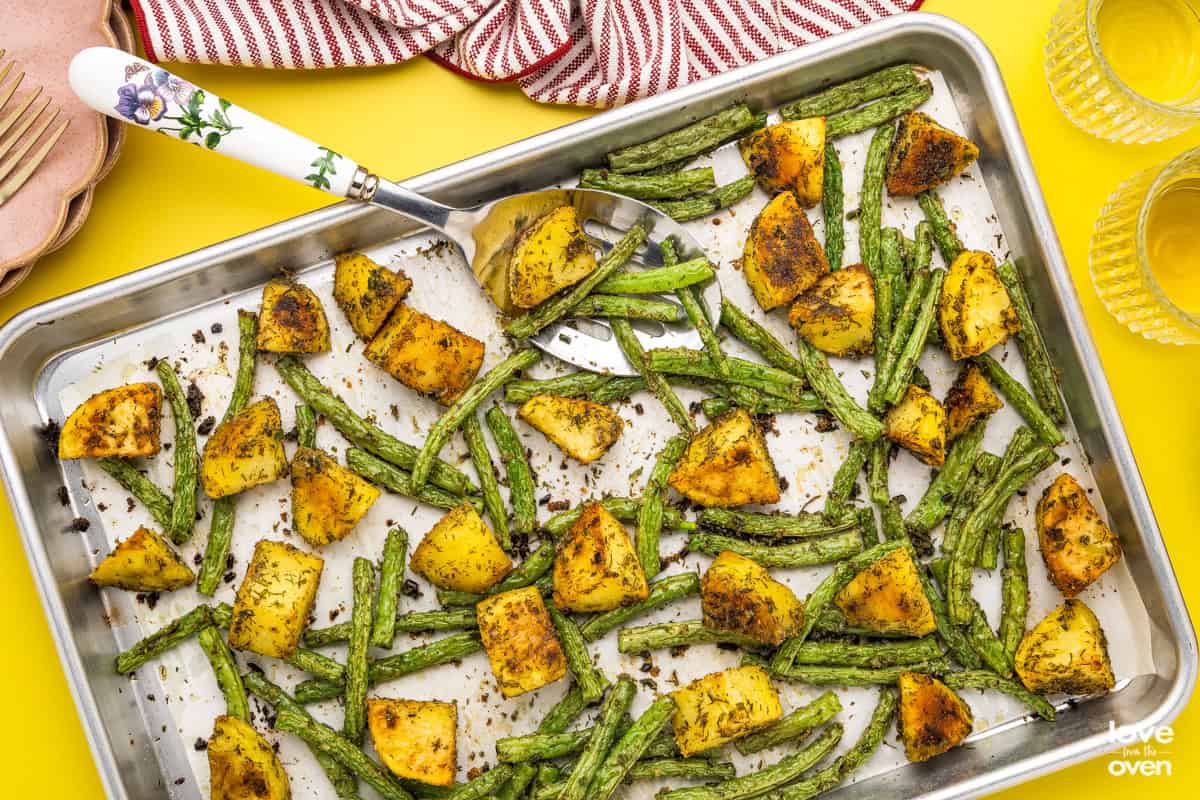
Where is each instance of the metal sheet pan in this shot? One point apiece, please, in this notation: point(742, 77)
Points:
point(142, 731)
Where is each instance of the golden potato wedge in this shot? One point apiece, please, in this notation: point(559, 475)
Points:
point(932, 718)
point(1066, 653)
point(244, 451)
point(727, 464)
point(521, 643)
point(837, 314)
point(888, 597)
point(242, 765)
point(461, 552)
point(367, 292)
point(1076, 544)
point(416, 740)
point(426, 354)
point(788, 156)
point(969, 400)
point(918, 424)
point(736, 594)
point(124, 421)
point(580, 428)
point(782, 257)
point(974, 312)
point(291, 320)
point(723, 706)
point(550, 255)
point(925, 155)
point(596, 567)
point(328, 500)
point(275, 599)
point(144, 562)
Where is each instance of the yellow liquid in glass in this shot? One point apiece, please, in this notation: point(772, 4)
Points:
point(1153, 46)
point(1173, 242)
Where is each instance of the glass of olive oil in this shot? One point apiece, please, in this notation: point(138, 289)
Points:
point(1126, 70)
point(1145, 255)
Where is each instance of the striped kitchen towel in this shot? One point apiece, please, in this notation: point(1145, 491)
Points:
point(598, 53)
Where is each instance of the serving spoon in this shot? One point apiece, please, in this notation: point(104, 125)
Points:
point(135, 91)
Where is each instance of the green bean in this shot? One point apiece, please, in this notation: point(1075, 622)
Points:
point(915, 344)
point(541, 746)
point(817, 601)
point(183, 502)
point(178, 630)
point(485, 472)
point(662, 592)
point(877, 471)
point(923, 249)
point(713, 407)
point(356, 657)
point(703, 205)
point(226, 671)
point(133, 481)
point(664, 635)
point(360, 432)
point(759, 339)
point(552, 309)
point(804, 553)
point(983, 471)
point(629, 748)
point(696, 769)
point(954, 637)
point(464, 406)
point(870, 206)
point(625, 509)
point(1021, 400)
point(984, 680)
point(575, 384)
point(535, 566)
point(989, 553)
point(655, 382)
point(1042, 375)
point(945, 233)
point(1015, 592)
point(670, 186)
point(398, 481)
point(948, 485)
point(834, 396)
point(650, 514)
point(614, 708)
point(306, 426)
point(659, 280)
point(325, 739)
point(819, 675)
point(689, 141)
point(617, 389)
point(557, 720)
point(412, 622)
point(484, 785)
point(771, 380)
point(891, 268)
point(693, 306)
point(608, 305)
point(873, 655)
point(848, 95)
point(979, 633)
point(878, 113)
point(906, 318)
point(590, 679)
point(776, 525)
point(391, 576)
point(449, 598)
point(833, 205)
point(516, 467)
point(845, 480)
point(302, 659)
point(794, 727)
point(831, 622)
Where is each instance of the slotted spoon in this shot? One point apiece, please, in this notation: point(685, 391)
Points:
point(127, 88)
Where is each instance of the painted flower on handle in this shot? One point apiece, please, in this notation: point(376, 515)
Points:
point(143, 104)
point(149, 102)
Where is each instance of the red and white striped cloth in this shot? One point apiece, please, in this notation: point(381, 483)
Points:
point(599, 53)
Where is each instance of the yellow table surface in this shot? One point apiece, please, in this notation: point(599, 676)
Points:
point(163, 200)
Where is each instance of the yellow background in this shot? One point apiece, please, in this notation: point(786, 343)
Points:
point(163, 199)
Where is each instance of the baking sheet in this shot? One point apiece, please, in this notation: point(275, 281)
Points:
point(179, 687)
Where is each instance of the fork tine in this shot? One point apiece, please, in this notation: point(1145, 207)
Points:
point(15, 181)
point(8, 119)
point(20, 146)
point(7, 68)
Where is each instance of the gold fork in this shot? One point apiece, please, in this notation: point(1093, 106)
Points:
point(15, 123)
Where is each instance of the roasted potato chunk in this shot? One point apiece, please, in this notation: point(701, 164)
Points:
point(974, 312)
point(292, 319)
point(788, 156)
point(124, 421)
point(727, 464)
point(1066, 653)
point(925, 155)
point(580, 428)
point(1076, 544)
point(415, 739)
point(426, 354)
point(736, 594)
point(244, 451)
point(520, 641)
point(550, 255)
point(328, 500)
point(144, 562)
point(782, 256)
point(723, 706)
point(367, 292)
point(837, 315)
point(888, 597)
point(969, 400)
point(918, 424)
point(242, 765)
point(461, 552)
point(275, 599)
point(932, 719)
point(596, 567)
